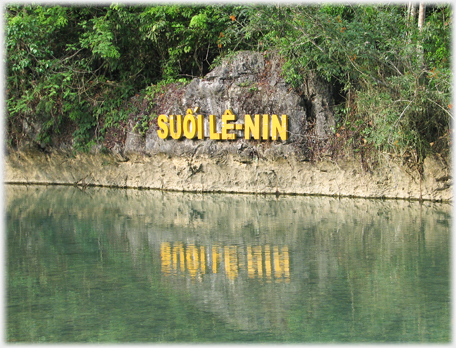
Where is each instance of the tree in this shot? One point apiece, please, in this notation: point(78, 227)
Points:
point(80, 66)
point(396, 103)
point(422, 13)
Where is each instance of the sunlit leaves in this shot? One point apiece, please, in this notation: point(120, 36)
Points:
point(199, 21)
point(99, 38)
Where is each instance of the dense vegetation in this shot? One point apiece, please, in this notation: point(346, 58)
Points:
point(82, 65)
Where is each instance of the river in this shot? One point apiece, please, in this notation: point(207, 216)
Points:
point(123, 265)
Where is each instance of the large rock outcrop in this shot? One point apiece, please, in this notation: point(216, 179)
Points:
point(248, 83)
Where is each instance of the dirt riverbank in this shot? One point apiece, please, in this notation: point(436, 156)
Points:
point(232, 173)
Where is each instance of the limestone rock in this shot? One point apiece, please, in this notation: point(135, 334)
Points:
point(248, 83)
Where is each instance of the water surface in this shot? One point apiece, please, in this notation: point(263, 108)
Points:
point(112, 265)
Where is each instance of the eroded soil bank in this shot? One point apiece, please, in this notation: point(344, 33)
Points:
point(232, 173)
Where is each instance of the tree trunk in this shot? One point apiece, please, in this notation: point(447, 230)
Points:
point(411, 11)
point(421, 14)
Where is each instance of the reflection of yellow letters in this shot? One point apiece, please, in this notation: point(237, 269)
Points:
point(286, 263)
point(178, 249)
point(252, 128)
point(203, 260)
point(164, 131)
point(192, 260)
point(250, 269)
point(279, 127)
point(254, 261)
point(267, 261)
point(165, 254)
point(281, 264)
point(259, 257)
point(231, 263)
point(215, 256)
point(273, 261)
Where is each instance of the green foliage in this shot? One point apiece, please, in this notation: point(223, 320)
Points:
point(401, 76)
point(186, 37)
point(81, 65)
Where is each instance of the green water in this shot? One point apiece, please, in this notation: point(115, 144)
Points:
point(106, 265)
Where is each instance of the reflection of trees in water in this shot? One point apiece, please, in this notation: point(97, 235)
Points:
point(351, 264)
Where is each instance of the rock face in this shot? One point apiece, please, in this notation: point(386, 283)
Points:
point(249, 83)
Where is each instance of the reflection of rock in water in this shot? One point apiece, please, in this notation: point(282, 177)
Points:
point(221, 248)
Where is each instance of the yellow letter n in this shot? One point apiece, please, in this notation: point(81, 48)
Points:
point(279, 127)
point(252, 128)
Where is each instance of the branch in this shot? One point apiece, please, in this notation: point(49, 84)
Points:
point(440, 106)
point(71, 55)
point(402, 114)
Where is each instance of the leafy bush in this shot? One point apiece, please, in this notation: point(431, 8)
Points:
point(401, 76)
point(81, 65)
